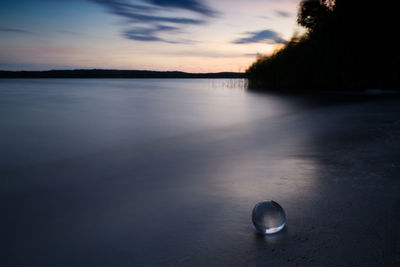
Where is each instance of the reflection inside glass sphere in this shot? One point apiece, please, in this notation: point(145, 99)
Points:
point(268, 217)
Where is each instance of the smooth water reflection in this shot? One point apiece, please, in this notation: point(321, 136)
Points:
point(49, 119)
point(143, 172)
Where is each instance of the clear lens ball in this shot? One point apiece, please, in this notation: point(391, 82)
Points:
point(268, 217)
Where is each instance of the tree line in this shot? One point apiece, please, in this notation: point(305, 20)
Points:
point(128, 74)
point(348, 45)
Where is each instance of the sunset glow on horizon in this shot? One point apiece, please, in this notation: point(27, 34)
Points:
point(184, 35)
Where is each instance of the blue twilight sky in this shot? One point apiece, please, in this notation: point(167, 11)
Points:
point(186, 35)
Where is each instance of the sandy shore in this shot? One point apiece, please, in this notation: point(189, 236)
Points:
point(187, 200)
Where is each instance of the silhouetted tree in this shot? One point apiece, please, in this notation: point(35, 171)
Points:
point(350, 45)
point(312, 13)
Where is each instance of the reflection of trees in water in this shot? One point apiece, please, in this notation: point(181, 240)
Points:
point(241, 84)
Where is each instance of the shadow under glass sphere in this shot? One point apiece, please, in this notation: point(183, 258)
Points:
point(268, 217)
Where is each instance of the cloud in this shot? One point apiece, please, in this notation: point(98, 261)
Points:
point(284, 14)
point(134, 13)
point(14, 30)
point(149, 34)
point(192, 5)
point(152, 14)
point(252, 55)
point(268, 36)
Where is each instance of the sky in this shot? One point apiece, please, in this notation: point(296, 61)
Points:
point(184, 35)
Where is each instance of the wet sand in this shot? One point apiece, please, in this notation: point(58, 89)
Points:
point(187, 200)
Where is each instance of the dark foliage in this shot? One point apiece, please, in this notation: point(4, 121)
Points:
point(350, 45)
point(313, 13)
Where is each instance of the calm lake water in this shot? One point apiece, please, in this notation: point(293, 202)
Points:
point(166, 172)
point(47, 120)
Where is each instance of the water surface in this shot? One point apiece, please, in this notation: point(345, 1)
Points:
point(53, 119)
point(166, 172)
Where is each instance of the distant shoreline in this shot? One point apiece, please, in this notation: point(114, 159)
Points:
point(117, 74)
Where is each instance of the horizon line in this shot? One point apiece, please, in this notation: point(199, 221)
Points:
point(141, 70)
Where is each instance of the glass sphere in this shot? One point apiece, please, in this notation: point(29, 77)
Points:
point(268, 217)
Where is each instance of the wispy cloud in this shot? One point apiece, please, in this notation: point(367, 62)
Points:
point(268, 36)
point(252, 55)
point(192, 5)
point(149, 34)
point(15, 30)
point(284, 14)
point(152, 14)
